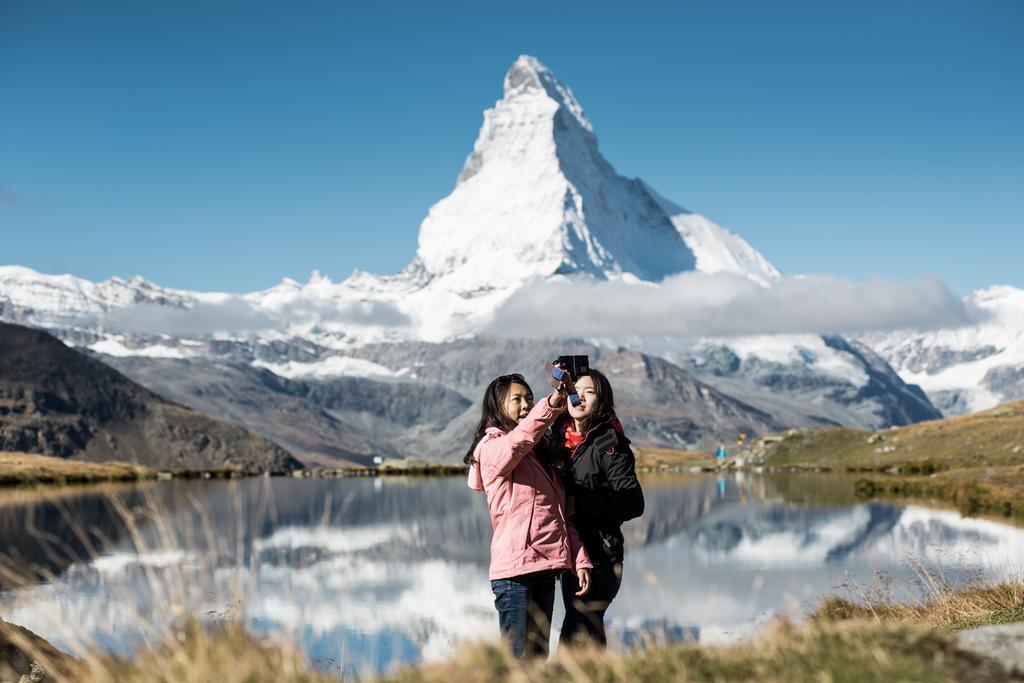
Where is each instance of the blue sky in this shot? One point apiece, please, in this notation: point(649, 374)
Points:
point(227, 145)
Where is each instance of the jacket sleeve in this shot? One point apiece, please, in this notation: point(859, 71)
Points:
point(500, 455)
point(622, 500)
point(474, 480)
point(579, 554)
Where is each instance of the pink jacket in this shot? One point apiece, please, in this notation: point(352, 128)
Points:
point(526, 501)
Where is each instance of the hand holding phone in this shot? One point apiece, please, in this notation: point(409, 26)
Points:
point(565, 370)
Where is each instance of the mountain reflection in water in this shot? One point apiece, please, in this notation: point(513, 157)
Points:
point(364, 573)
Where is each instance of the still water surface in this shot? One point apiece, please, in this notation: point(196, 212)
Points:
point(366, 573)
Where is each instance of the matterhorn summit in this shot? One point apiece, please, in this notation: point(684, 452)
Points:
point(536, 199)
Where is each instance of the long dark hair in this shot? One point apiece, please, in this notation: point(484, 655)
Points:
point(492, 411)
point(492, 414)
point(605, 406)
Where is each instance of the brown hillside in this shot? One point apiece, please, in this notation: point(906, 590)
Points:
point(57, 401)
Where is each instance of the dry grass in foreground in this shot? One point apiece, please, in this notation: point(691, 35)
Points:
point(949, 610)
point(23, 469)
point(838, 652)
point(228, 654)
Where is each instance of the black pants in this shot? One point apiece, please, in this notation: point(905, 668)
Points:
point(584, 615)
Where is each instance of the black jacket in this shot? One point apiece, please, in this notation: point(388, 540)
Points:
point(601, 480)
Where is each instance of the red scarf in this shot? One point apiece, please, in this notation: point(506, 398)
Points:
point(572, 438)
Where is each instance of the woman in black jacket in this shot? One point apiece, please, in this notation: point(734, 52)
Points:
point(603, 493)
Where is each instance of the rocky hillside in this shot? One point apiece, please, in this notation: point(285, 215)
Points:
point(431, 410)
point(327, 422)
point(57, 401)
point(660, 403)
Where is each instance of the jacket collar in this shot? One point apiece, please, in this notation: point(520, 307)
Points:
point(613, 421)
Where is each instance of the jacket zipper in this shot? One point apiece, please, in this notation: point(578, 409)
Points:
point(572, 456)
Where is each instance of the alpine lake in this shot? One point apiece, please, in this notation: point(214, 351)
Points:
point(366, 573)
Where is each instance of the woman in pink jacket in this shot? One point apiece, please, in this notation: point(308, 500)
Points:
point(532, 543)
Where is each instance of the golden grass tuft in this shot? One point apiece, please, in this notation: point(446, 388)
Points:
point(944, 606)
point(227, 653)
point(26, 469)
point(991, 491)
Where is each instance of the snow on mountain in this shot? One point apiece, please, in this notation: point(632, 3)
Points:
point(805, 349)
point(804, 380)
point(59, 297)
point(536, 198)
point(114, 346)
point(717, 250)
point(968, 368)
point(332, 366)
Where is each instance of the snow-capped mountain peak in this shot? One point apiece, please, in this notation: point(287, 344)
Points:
point(968, 368)
point(53, 298)
point(536, 198)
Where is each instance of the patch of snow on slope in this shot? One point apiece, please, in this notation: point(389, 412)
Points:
point(959, 359)
point(56, 297)
point(717, 250)
point(809, 350)
point(333, 366)
point(113, 346)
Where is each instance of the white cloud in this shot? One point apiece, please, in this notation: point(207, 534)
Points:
point(235, 314)
point(232, 314)
point(719, 305)
point(365, 313)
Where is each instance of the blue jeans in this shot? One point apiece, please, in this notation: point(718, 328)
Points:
point(584, 615)
point(524, 606)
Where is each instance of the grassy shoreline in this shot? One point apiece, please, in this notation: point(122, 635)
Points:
point(28, 469)
point(671, 460)
point(974, 463)
point(987, 492)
